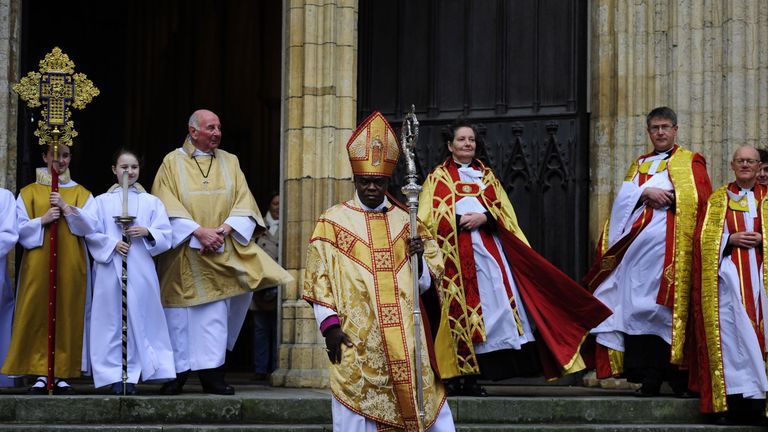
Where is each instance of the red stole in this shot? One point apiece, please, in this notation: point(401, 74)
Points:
point(466, 252)
point(736, 222)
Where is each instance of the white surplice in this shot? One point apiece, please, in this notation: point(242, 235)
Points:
point(150, 356)
point(501, 331)
point(630, 291)
point(9, 234)
point(346, 420)
point(743, 366)
point(201, 335)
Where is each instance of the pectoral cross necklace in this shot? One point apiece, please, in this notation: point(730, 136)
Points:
point(204, 174)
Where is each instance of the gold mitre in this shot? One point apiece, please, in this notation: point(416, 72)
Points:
point(373, 148)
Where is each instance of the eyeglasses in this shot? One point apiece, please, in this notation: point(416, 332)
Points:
point(663, 128)
point(749, 162)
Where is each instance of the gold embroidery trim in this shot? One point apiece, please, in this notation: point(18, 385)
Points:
point(467, 189)
point(645, 166)
point(686, 204)
point(741, 205)
point(711, 237)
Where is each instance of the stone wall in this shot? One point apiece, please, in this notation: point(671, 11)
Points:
point(703, 58)
point(320, 102)
point(10, 28)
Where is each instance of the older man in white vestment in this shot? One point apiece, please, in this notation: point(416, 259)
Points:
point(729, 298)
point(207, 278)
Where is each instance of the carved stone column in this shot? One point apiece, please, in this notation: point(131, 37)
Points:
point(320, 97)
point(10, 28)
point(705, 59)
point(10, 46)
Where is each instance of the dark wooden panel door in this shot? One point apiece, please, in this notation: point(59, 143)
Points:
point(518, 69)
point(155, 63)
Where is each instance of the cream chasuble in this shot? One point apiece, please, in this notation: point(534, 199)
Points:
point(206, 194)
point(357, 265)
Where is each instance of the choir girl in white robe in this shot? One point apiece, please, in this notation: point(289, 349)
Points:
point(150, 355)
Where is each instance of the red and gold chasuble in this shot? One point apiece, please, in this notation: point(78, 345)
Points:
point(357, 265)
point(687, 172)
point(722, 211)
point(562, 311)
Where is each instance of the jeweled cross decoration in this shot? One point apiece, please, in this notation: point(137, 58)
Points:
point(57, 88)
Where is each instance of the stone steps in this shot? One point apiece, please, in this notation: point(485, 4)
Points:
point(327, 428)
point(166, 428)
point(259, 408)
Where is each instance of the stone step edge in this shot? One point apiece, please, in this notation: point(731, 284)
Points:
point(148, 410)
point(328, 428)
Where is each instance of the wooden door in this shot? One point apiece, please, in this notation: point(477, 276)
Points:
point(516, 68)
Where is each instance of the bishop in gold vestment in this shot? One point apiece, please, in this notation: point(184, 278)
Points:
point(359, 281)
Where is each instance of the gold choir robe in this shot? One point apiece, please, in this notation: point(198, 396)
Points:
point(188, 278)
point(28, 351)
point(358, 266)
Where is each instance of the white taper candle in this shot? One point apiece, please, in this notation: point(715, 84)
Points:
point(125, 193)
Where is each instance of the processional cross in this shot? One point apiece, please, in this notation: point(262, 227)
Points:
point(58, 87)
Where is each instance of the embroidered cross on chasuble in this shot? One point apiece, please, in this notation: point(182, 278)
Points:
point(357, 265)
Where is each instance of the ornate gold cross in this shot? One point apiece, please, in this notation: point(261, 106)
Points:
point(58, 87)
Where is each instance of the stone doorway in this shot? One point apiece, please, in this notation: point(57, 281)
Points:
point(155, 62)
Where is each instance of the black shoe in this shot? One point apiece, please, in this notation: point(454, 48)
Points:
point(721, 419)
point(452, 387)
point(474, 389)
point(650, 388)
point(213, 382)
point(39, 390)
point(686, 395)
point(174, 387)
point(679, 385)
point(62, 388)
point(130, 389)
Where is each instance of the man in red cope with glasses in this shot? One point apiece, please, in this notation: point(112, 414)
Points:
point(642, 270)
point(729, 302)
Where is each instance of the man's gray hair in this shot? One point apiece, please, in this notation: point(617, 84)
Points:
point(748, 146)
point(193, 122)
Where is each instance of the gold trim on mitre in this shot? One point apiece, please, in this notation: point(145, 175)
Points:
point(373, 148)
